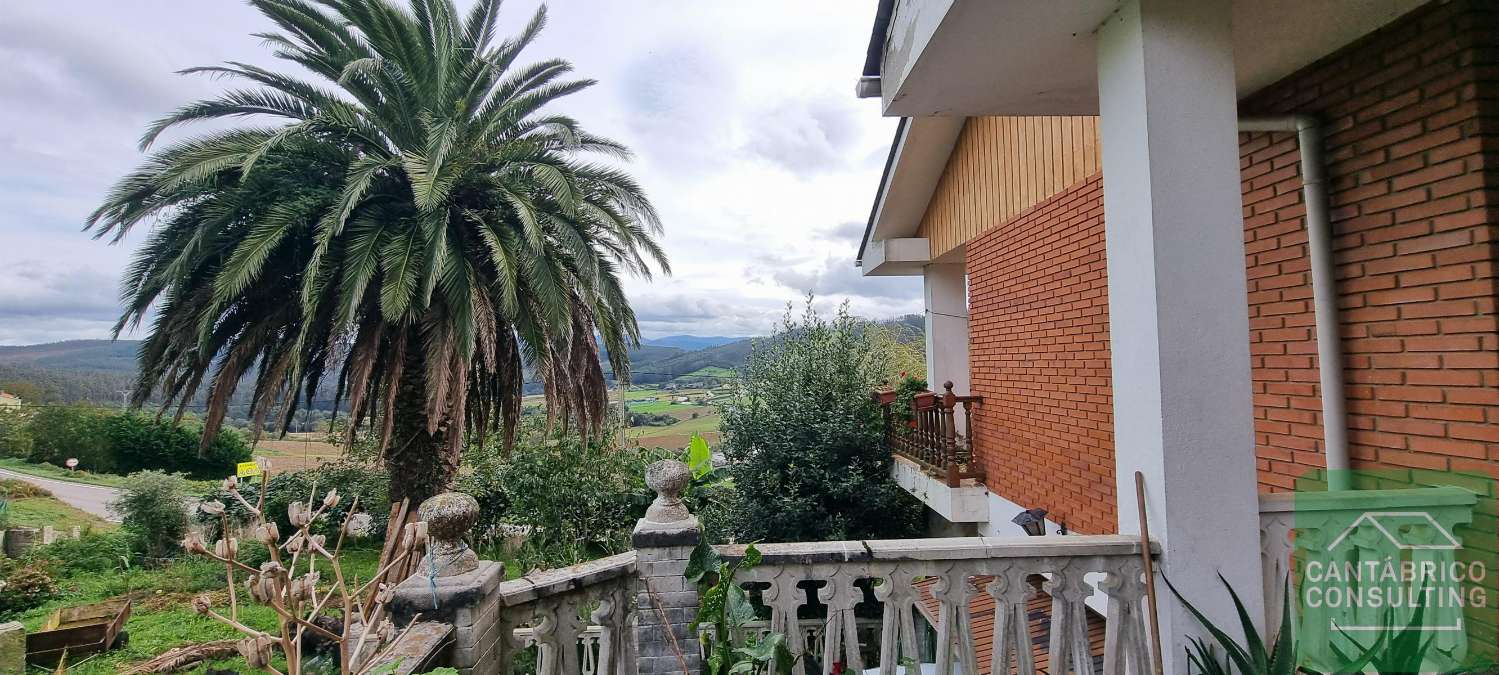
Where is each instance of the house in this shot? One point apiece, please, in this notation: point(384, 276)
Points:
point(1222, 244)
point(9, 400)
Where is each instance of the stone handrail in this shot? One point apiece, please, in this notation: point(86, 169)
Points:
point(962, 569)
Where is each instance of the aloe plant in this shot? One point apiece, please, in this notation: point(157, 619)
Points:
point(1256, 656)
point(1402, 651)
point(1393, 652)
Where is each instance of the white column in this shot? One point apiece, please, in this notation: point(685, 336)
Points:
point(1177, 305)
point(946, 327)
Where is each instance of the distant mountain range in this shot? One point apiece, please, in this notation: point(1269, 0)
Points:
point(691, 342)
point(98, 370)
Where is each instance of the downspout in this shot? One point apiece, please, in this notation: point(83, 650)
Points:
point(1324, 287)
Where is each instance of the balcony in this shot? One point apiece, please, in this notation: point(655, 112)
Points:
point(936, 437)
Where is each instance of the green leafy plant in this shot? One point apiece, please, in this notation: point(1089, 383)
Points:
point(1256, 656)
point(24, 586)
point(575, 498)
point(151, 509)
point(903, 410)
point(711, 494)
point(1395, 650)
point(369, 484)
point(804, 439)
point(724, 607)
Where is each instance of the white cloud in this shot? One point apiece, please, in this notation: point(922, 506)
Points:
point(741, 115)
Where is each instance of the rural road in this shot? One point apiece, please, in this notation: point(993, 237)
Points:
point(92, 499)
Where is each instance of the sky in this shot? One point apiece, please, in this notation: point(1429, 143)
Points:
point(741, 115)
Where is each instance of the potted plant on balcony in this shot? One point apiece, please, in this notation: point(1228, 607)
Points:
point(903, 403)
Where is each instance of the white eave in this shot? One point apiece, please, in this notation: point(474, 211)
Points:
point(917, 158)
point(1028, 57)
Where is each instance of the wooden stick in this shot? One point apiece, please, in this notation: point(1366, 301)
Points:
point(1155, 622)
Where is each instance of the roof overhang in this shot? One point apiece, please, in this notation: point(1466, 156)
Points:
point(905, 256)
point(917, 157)
point(970, 58)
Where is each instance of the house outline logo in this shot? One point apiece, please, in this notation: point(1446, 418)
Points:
point(1372, 517)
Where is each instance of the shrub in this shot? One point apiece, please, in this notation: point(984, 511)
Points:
point(15, 432)
point(107, 442)
point(58, 433)
point(580, 500)
point(12, 488)
point(92, 553)
point(139, 443)
point(153, 510)
point(24, 586)
point(371, 485)
point(803, 438)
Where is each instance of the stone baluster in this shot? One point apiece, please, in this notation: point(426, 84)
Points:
point(1125, 641)
point(898, 626)
point(1011, 592)
point(666, 602)
point(840, 638)
point(954, 627)
point(1069, 649)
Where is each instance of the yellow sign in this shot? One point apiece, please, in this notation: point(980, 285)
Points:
point(247, 469)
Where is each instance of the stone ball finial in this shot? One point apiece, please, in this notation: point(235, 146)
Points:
point(449, 516)
point(669, 478)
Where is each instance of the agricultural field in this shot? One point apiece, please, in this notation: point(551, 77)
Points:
point(696, 410)
point(297, 451)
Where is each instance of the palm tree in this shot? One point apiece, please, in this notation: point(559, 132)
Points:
point(415, 225)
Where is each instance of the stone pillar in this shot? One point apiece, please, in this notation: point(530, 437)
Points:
point(12, 648)
point(453, 586)
point(946, 289)
point(666, 602)
point(20, 540)
point(1179, 333)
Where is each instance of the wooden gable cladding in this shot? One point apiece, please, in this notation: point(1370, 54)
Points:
point(1001, 166)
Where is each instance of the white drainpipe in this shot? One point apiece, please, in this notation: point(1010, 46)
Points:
point(1324, 286)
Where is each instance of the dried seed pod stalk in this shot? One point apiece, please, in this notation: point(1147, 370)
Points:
point(291, 587)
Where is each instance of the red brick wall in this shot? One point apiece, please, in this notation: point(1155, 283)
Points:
point(1407, 117)
point(1408, 112)
point(1039, 355)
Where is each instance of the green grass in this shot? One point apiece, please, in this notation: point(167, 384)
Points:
point(710, 371)
point(41, 511)
point(59, 473)
point(699, 425)
point(105, 479)
point(162, 617)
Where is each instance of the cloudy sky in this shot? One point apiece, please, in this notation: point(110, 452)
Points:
point(741, 114)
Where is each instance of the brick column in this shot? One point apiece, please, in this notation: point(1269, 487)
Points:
point(666, 602)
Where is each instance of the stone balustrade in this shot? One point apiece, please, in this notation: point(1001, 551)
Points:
point(842, 605)
point(1297, 528)
point(950, 574)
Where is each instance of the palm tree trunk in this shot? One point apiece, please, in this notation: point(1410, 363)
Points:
point(420, 464)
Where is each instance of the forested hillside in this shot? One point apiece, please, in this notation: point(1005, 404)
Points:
point(99, 370)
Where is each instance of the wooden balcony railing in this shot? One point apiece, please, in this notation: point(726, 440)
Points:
point(932, 438)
